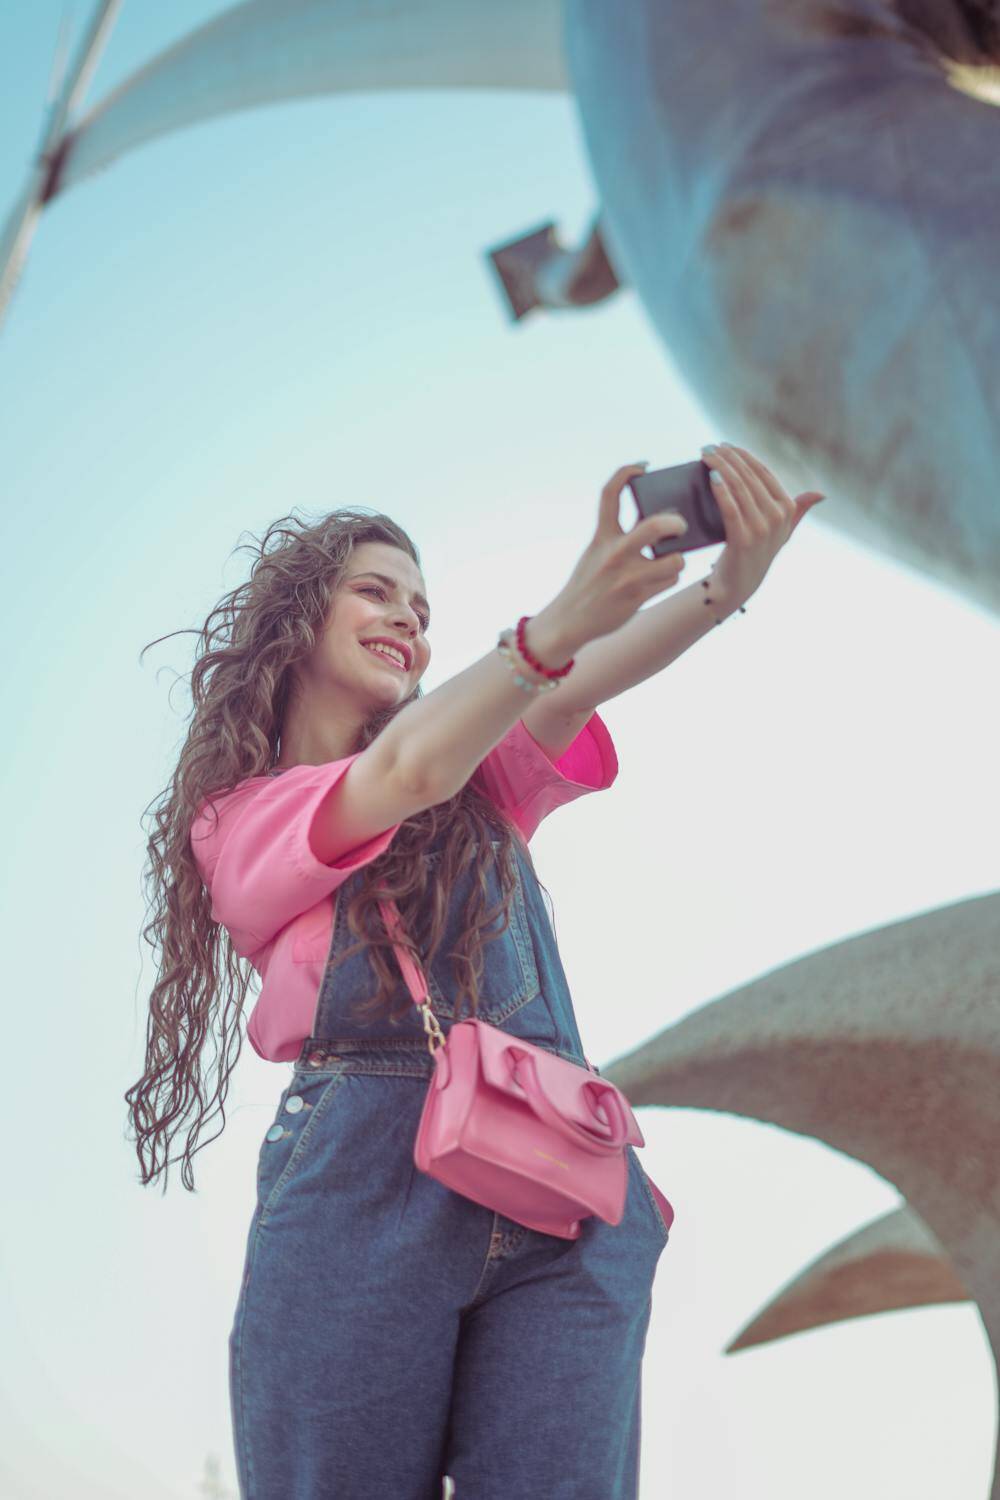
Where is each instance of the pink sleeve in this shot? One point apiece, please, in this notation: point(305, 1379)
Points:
point(258, 864)
point(521, 778)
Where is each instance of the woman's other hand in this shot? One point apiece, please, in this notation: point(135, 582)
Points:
point(758, 517)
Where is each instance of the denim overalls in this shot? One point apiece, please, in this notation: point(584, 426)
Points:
point(390, 1332)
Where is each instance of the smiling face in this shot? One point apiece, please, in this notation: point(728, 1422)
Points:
point(366, 606)
point(344, 681)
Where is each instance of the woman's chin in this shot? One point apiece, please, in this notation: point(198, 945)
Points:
point(388, 691)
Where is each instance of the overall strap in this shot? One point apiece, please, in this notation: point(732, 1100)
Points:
point(415, 981)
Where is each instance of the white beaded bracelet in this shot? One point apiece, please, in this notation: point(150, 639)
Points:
point(506, 645)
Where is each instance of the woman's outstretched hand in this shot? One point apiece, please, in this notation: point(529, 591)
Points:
point(758, 516)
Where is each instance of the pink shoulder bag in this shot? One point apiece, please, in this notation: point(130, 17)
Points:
point(518, 1128)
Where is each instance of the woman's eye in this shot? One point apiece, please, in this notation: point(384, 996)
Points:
point(368, 588)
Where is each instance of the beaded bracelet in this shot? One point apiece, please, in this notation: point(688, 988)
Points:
point(533, 662)
point(505, 645)
point(709, 600)
point(510, 639)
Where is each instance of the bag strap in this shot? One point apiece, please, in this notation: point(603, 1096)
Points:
point(415, 981)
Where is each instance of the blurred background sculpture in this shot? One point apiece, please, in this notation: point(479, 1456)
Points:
point(808, 216)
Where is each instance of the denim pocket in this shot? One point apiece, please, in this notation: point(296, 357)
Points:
point(509, 977)
point(286, 1142)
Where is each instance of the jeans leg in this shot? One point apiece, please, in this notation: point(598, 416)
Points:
point(342, 1347)
point(547, 1388)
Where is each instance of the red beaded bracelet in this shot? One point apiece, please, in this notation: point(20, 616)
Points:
point(531, 660)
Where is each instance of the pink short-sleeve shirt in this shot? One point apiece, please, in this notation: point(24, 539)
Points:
point(276, 899)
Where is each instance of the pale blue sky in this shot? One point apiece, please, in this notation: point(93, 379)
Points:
point(293, 308)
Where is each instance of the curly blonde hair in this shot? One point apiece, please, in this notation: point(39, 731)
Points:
point(240, 682)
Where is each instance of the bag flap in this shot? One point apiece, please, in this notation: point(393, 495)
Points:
point(568, 1086)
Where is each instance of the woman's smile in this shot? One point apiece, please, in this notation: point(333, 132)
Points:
point(390, 661)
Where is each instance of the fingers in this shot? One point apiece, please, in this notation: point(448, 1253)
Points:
point(733, 514)
point(763, 473)
point(757, 493)
point(739, 486)
point(611, 498)
point(662, 572)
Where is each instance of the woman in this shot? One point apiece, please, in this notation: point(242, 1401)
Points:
point(390, 1331)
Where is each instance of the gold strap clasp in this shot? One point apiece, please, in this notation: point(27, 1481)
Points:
point(436, 1037)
